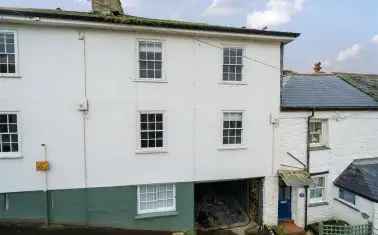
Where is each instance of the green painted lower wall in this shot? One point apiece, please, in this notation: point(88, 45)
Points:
point(111, 206)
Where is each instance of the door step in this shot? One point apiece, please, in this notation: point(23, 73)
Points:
point(290, 228)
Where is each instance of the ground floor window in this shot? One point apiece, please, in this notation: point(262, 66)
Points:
point(156, 198)
point(318, 189)
point(347, 196)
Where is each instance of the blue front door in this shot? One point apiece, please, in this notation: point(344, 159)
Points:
point(284, 203)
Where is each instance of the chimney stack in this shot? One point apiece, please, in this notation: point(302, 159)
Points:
point(318, 67)
point(107, 7)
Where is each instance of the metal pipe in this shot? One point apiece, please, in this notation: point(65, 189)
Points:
point(308, 163)
point(47, 198)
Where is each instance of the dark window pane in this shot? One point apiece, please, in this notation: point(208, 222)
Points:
point(14, 147)
point(233, 60)
point(12, 118)
point(10, 38)
point(238, 77)
point(226, 124)
point(239, 60)
point(151, 143)
point(238, 132)
point(225, 140)
point(151, 135)
point(6, 147)
point(3, 59)
point(159, 134)
point(225, 133)
point(151, 117)
point(159, 143)
point(151, 126)
point(143, 126)
point(239, 52)
point(3, 118)
point(143, 64)
point(159, 126)
point(142, 55)
point(238, 69)
point(225, 76)
point(238, 140)
point(150, 56)
point(157, 56)
point(2, 48)
point(3, 128)
point(143, 143)
point(150, 73)
point(157, 73)
point(5, 138)
point(159, 117)
point(3, 68)
point(143, 135)
point(143, 73)
point(11, 59)
point(150, 65)
point(232, 77)
point(232, 132)
point(11, 68)
point(143, 117)
point(158, 65)
point(226, 60)
point(232, 52)
point(13, 128)
point(239, 124)
point(231, 140)
point(226, 52)
point(10, 48)
point(232, 124)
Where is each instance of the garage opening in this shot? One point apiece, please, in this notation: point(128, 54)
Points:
point(228, 204)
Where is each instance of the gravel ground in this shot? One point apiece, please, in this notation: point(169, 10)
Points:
point(34, 230)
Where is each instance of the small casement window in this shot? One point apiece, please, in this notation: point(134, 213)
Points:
point(150, 60)
point(151, 130)
point(318, 189)
point(347, 196)
point(156, 198)
point(318, 129)
point(7, 52)
point(232, 128)
point(9, 133)
point(232, 64)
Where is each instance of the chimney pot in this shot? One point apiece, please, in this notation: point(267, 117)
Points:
point(318, 67)
point(107, 7)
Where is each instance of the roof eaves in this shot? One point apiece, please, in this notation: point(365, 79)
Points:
point(138, 21)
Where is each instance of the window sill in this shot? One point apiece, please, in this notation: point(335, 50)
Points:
point(351, 206)
point(319, 148)
point(10, 156)
point(233, 83)
point(150, 81)
point(10, 76)
point(315, 204)
point(151, 151)
point(156, 214)
point(236, 147)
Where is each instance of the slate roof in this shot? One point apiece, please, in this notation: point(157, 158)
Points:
point(323, 92)
point(361, 178)
point(136, 21)
point(367, 83)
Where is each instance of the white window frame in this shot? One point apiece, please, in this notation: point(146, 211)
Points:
point(323, 138)
point(243, 77)
point(10, 155)
point(16, 52)
point(324, 190)
point(163, 78)
point(163, 149)
point(165, 209)
point(242, 145)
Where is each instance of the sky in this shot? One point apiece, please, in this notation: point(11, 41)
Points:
point(342, 34)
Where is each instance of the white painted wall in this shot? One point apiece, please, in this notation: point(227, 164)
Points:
point(52, 86)
point(352, 135)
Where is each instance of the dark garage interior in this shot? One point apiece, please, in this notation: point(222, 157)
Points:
point(228, 204)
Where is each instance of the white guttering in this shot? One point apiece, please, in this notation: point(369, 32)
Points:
point(135, 28)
